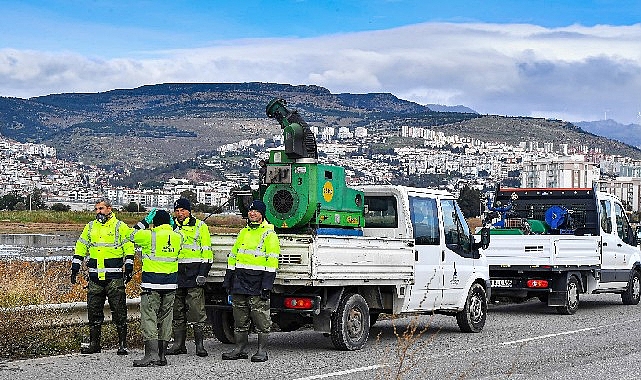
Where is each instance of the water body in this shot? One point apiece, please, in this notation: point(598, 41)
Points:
point(38, 246)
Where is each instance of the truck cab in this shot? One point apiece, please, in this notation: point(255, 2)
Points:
point(447, 258)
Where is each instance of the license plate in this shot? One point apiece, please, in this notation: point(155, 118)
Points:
point(501, 283)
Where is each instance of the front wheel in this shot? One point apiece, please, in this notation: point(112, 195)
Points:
point(222, 322)
point(632, 294)
point(350, 323)
point(472, 317)
point(572, 302)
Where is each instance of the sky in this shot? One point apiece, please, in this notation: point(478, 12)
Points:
point(571, 60)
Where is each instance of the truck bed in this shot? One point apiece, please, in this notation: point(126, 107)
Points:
point(543, 250)
point(309, 260)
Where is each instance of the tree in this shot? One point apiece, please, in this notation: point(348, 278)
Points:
point(134, 207)
point(34, 200)
point(470, 201)
point(60, 207)
point(10, 200)
point(191, 196)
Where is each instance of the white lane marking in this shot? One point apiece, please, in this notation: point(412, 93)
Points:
point(346, 372)
point(508, 343)
point(525, 340)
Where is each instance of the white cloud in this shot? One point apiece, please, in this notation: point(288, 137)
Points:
point(493, 68)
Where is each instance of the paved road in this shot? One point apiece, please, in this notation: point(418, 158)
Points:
point(524, 341)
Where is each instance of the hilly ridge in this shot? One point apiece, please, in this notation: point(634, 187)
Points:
point(157, 125)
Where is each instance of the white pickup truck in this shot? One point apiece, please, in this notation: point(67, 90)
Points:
point(555, 244)
point(415, 255)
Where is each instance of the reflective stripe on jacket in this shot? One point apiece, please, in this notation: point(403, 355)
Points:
point(196, 256)
point(160, 246)
point(105, 247)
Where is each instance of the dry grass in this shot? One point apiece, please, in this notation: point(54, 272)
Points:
point(47, 282)
point(403, 355)
point(46, 221)
point(22, 334)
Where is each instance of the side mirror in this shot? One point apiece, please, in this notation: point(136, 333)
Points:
point(485, 238)
point(484, 243)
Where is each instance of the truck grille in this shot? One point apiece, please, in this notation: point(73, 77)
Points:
point(289, 259)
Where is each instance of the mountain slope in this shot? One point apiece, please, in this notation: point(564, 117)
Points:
point(629, 134)
point(157, 125)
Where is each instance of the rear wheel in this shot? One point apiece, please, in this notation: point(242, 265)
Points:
point(633, 292)
point(350, 323)
point(222, 322)
point(572, 302)
point(472, 317)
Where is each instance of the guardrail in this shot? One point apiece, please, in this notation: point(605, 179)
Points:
point(74, 313)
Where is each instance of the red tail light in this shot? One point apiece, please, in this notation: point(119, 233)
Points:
point(299, 303)
point(538, 284)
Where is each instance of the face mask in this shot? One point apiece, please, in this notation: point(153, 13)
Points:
point(102, 218)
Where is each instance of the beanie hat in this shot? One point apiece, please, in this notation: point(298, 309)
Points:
point(161, 217)
point(259, 206)
point(182, 203)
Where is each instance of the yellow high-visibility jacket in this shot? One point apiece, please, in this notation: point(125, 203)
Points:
point(253, 260)
point(195, 256)
point(106, 248)
point(160, 246)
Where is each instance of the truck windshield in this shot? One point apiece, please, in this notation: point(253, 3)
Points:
point(424, 215)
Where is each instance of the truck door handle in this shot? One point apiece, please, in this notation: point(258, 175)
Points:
point(605, 244)
point(619, 245)
point(442, 255)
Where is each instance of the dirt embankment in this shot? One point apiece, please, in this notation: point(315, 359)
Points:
point(26, 228)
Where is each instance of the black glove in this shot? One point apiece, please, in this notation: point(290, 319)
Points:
point(129, 273)
point(74, 274)
point(264, 294)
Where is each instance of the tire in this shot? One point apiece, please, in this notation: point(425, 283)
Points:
point(222, 322)
point(633, 292)
point(572, 302)
point(472, 317)
point(350, 323)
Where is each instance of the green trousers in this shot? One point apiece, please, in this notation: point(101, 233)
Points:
point(114, 292)
point(248, 309)
point(155, 314)
point(189, 307)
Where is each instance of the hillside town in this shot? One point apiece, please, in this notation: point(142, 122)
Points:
point(463, 161)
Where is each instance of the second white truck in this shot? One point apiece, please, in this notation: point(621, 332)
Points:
point(555, 244)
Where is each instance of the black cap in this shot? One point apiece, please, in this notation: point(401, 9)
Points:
point(182, 203)
point(161, 217)
point(259, 206)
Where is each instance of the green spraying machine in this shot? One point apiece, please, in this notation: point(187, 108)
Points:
point(299, 192)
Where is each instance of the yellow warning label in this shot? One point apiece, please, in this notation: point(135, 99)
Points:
point(328, 191)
